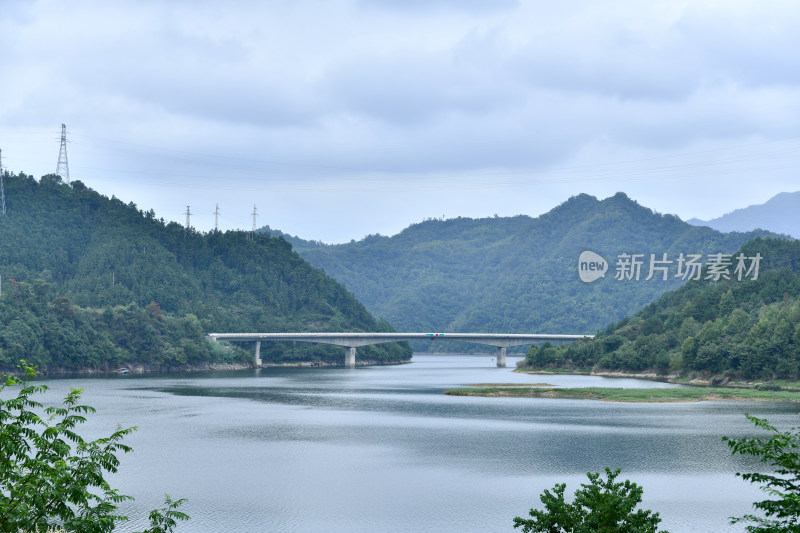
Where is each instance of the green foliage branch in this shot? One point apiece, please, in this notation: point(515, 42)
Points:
point(782, 453)
point(50, 476)
point(166, 518)
point(601, 506)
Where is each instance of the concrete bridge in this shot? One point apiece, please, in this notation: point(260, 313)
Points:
point(351, 341)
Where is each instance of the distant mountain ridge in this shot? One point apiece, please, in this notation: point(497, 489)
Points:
point(514, 274)
point(780, 214)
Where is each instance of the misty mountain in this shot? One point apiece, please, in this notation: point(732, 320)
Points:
point(780, 214)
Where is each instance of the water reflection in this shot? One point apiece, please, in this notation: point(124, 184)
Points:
point(381, 449)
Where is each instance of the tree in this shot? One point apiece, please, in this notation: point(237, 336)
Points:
point(782, 453)
point(164, 520)
point(50, 476)
point(601, 506)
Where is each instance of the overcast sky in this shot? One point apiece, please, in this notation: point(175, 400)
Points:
point(339, 119)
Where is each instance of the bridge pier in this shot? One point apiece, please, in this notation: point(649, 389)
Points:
point(501, 356)
point(257, 355)
point(350, 357)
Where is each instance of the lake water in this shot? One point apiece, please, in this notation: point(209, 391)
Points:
point(381, 449)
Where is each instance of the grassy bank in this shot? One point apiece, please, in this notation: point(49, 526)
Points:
point(688, 394)
point(695, 380)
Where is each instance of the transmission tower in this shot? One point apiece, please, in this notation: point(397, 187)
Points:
point(255, 214)
point(62, 169)
point(216, 218)
point(2, 186)
point(188, 214)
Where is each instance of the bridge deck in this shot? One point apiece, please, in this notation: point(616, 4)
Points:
point(352, 340)
point(355, 339)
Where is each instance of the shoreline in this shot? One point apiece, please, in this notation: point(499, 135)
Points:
point(674, 379)
point(661, 395)
point(139, 369)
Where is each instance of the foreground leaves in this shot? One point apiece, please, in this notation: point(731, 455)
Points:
point(782, 453)
point(601, 506)
point(50, 476)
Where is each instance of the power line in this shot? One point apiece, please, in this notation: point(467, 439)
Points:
point(216, 218)
point(657, 167)
point(272, 167)
point(188, 215)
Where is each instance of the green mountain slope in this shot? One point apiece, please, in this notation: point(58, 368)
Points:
point(516, 274)
point(83, 274)
point(738, 329)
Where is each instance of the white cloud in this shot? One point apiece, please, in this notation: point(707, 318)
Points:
point(470, 108)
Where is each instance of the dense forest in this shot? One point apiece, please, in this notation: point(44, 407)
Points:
point(728, 329)
point(89, 282)
point(516, 274)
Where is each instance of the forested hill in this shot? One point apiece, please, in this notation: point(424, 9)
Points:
point(731, 329)
point(92, 282)
point(517, 274)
